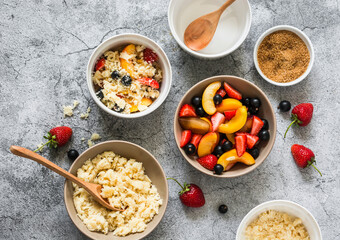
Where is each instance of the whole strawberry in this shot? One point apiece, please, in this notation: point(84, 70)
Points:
point(301, 115)
point(191, 195)
point(57, 137)
point(208, 161)
point(303, 156)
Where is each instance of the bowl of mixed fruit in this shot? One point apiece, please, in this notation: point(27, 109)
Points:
point(225, 126)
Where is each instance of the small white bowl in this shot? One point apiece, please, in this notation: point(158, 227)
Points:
point(125, 39)
point(304, 38)
point(288, 207)
point(231, 31)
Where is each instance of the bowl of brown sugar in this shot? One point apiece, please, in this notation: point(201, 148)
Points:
point(283, 55)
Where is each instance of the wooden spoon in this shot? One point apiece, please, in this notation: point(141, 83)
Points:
point(200, 32)
point(91, 188)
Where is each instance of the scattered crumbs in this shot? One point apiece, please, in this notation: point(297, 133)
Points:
point(85, 115)
point(68, 111)
point(75, 104)
point(90, 143)
point(82, 139)
point(94, 137)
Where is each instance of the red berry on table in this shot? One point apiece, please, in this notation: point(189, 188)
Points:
point(57, 137)
point(186, 137)
point(256, 126)
point(302, 115)
point(187, 111)
point(100, 64)
point(149, 82)
point(149, 55)
point(241, 144)
point(232, 92)
point(208, 161)
point(191, 195)
point(303, 156)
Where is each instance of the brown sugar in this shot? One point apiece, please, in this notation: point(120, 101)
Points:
point(283, 56)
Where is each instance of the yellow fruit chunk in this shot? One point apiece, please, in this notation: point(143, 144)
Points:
point(228, 104)
point(207, 97)
point(236, 123)
point(231, 137)
point(127, 65)
point(208, 144)
point(146, 101)
point(208, 121)
point(231, 157)
point(133, 108)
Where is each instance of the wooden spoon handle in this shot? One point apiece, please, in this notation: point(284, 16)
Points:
point(225, 5)
point(23, 152)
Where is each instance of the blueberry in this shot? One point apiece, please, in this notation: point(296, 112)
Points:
point(196, 101)
point(217, 99)
point(126, 80)
point(284, 106)
point(190, 149)
point(100, 94)
point(200, 111)
point(246, 102)
point(115, 74)
point(223, 208)
point(265, 124)
point(72, 154)
point(227, 146)
point(264, 135)
point(116, 108)
point(218, 169)
point(255, 102)
point(252, 110)
point(218, 151)
point(254, 152)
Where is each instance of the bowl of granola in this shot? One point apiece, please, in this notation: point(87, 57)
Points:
point(131, 178)
point(129, 75)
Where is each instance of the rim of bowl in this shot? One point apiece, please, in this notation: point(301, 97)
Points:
point(304, 38)
point(203, 55)
point(162, 94)
point(287, 202)
point(246, 170)
point(165, 201)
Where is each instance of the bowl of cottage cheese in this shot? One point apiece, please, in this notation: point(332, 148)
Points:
point(132, 179)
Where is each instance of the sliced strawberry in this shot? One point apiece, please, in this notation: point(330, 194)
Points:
point(208, 161)
point(241, 144)
point(149, 55)
point(186, 137)
point(257, 125)
point(195, 139)
point(221, 92)
point(100, 64)
point(232, 92)
point(217, 119)
point(229, 114)
point(251, 140)
point(187, 111)
point(149, 82)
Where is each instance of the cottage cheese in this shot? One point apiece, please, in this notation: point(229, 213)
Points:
point(133, 97)
point(273, 225)
point(125, 185)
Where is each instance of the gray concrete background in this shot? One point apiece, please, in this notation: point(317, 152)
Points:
point(45, 46)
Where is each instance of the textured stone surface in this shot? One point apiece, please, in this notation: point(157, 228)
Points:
point(45, 46)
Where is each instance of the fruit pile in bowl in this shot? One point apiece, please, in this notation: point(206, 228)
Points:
point(225, 126)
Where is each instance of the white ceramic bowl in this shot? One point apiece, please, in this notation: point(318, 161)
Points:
point(305, 39)
point(125, 39)
point(231, 31)
point(288, 207)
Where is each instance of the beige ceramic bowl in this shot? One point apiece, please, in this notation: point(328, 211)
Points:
point(129, 150)
point(266, 111)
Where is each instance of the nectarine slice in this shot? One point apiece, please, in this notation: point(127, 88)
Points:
point(231, 157)
point(126, 64)
point(208, 143)
point(208, 121)
point(228, 104)
point(196, 125)
point(236, 123)
point(207, 97)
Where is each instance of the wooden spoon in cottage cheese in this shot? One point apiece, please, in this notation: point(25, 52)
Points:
point(91, 188)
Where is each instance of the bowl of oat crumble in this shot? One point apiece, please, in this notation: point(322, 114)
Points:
point(129, 75)
point(132, 180)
